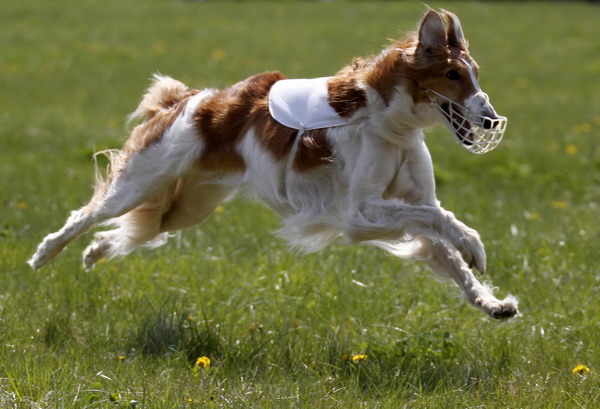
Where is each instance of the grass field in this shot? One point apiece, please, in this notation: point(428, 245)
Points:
point(280, 328)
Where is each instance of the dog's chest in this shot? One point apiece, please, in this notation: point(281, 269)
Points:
point(303, 104)
point(412, 179)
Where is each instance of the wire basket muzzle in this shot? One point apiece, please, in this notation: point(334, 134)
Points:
point(475, 132)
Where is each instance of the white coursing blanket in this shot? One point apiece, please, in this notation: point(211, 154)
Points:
point(302, 104)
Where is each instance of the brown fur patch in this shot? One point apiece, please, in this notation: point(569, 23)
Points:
point(228, 115)
point(224, 116)
point(431, 68)
point(345, 96)
point(387, 74)
point(314, 150)
point(165, 98)
point(406, 63)
point(273, 136)
point(164, 93)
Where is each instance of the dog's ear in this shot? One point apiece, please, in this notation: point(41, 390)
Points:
point(455, 34)
point(432, 31)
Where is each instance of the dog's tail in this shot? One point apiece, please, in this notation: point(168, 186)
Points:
point(164, 93)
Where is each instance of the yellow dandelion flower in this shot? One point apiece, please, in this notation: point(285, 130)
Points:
point(121, 357)
point(219, 209)
point(532, 215)
point(203, 362)
point(22, 205)
point(571, 149)
point(560, 205)
point(255, 327)
point(583, 128)
point(581, 370)
point(359, 358)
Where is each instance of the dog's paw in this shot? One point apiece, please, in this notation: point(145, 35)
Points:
point(95, 251)
point(47, 250)
point(90, 256)
point(500, 310)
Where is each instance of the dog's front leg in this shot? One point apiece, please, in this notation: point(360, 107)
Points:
point(447, 262)
point(466, 240)
point(381, 219)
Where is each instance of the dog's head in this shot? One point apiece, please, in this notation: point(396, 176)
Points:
point(434, 67)
point(448, 76)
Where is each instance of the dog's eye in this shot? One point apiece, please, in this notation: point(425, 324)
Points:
point(453, 75)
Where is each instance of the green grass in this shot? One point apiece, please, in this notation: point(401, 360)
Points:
point(278, 325)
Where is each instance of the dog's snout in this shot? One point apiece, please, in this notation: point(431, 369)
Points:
point(482, 111)
point(489, 116)
point(489, 119)
point(487, 123)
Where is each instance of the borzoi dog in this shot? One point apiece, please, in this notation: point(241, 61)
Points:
point(339, 157)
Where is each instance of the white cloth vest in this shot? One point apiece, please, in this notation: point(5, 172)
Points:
point(302, 104)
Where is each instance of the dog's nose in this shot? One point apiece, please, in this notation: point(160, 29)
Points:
point(483, 112)
point(489, 118)
point(488, 122)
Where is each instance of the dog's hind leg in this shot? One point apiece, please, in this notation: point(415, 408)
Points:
point(447, 261)
point(185, 204)
point(79, 222)
point(135, 178)
point(159, 150)
point(140, 226)
point(131, 186)
point(193, 203)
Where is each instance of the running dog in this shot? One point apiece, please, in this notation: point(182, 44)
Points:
point(340, 157)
